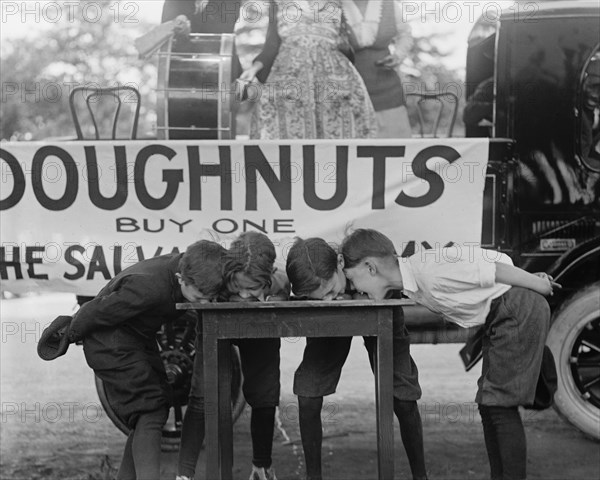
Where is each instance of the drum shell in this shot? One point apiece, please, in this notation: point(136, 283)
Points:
point(195, 78)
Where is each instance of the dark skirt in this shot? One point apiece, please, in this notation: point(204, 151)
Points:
point(383, 84)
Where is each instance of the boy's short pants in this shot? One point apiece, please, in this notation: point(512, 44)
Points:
point(319, 373)
point(260, 368)
point(516, 330)
point(131, 371)
point(140, 387)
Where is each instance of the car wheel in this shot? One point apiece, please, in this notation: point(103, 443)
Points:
point(574, 339)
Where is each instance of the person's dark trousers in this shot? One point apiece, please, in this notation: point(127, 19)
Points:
point(141, 458)
point(505, 442)
point(411, 431)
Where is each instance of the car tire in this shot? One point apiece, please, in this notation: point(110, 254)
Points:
point(574, 339)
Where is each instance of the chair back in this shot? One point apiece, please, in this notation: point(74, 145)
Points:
point(103, 107)
point(432, 110)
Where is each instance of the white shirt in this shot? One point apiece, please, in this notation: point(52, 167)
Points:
point(456, 282)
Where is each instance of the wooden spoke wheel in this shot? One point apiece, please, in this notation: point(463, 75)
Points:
point(176, 345)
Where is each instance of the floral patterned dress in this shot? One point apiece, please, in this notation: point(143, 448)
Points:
point(313, 90)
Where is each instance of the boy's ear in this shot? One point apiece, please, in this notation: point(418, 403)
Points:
point(179, 278)
point(340, 260)
point(371, 266)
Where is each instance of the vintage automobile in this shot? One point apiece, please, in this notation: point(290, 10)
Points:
point(533, 87)
point(540, 63)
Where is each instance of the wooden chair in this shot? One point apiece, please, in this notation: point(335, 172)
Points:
point(443, 101)
point(93, 99)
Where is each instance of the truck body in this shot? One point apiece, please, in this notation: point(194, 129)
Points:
point(540, 63)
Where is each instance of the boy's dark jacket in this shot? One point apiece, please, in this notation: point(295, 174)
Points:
point(119, 325)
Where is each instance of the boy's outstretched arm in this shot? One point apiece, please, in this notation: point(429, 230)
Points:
point(517, 277)
point(131, 296)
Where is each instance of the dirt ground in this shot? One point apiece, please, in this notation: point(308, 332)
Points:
point(53, 426)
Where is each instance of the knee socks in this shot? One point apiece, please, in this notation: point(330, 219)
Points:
point(192, 437)
point(311, 432)
point(505, 442)
point(141, 458)
point(262, 425)
point(411, 431)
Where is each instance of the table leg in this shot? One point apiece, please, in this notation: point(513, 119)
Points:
point(384, 385)
point(211, 395)
point(224, 411)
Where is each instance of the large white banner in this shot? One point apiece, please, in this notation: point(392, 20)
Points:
point(73, 214)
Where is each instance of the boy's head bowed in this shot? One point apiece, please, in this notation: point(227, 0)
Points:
point(363, 243)
point(253, 254)
point(201, 267)
point(309, 263)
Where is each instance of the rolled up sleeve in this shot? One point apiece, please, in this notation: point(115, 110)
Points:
point(487, 274)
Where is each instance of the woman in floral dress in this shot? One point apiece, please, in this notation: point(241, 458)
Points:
point(309, 89)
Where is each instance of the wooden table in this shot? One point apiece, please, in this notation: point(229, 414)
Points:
point(223, 322)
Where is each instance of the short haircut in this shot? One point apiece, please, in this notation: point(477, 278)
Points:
point(308, 263)
point(253, 254)
point(363, 243)
point(201, 266)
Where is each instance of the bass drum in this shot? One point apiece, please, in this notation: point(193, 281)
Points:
point(194, 95)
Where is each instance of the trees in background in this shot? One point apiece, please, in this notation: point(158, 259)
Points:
point(91, 44)
point(427, 72)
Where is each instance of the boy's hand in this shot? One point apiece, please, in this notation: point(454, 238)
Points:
point(548, 284)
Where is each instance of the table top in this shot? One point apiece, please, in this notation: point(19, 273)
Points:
point(294, 304)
